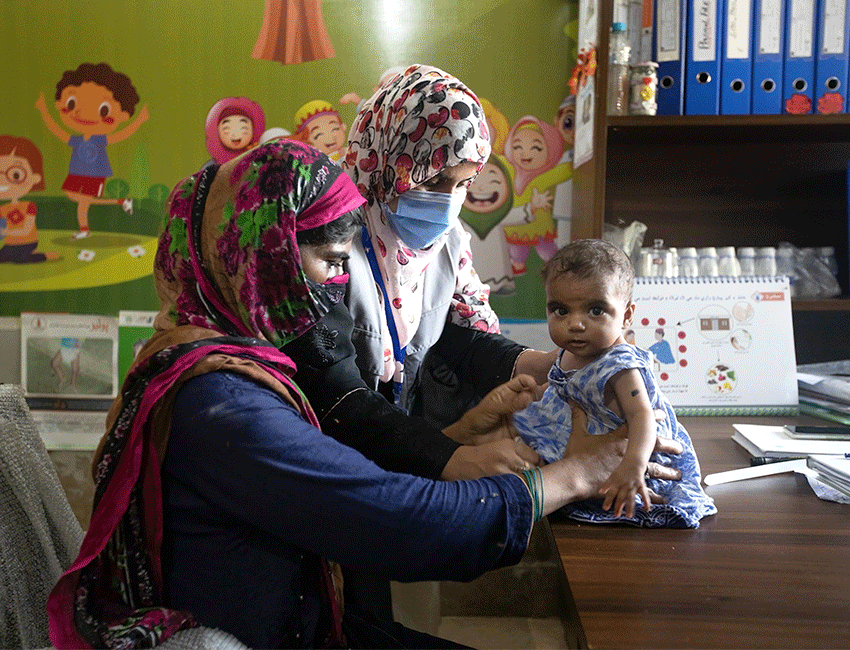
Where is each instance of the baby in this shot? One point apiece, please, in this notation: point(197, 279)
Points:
point(589, 305)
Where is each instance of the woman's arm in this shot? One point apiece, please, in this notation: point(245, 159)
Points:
point(252, 456)
point(363, 419)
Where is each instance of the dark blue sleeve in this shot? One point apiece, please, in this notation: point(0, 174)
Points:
point(252, 455)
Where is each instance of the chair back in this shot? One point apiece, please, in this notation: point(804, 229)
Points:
point(39, 533)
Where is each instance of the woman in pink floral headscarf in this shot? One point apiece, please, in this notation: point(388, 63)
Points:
point(415, 147)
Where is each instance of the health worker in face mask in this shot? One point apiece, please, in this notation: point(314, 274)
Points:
point(424, 331)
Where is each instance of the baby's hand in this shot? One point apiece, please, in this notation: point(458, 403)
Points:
point(621, 488)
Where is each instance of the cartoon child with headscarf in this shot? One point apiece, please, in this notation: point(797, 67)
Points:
point(319, 124)
point(533, 149)
point(488, 199)
point(234, 125)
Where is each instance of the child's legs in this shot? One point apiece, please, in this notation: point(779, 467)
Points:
point(84, 191)
point(56, 363)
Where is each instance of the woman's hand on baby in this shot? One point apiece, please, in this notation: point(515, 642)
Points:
point(490, 419)
point(507, 456)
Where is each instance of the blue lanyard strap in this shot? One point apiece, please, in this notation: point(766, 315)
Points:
point(398, 351)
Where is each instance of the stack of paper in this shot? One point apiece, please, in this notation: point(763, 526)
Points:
point(834, 471)
point(772, 441)
point(824, 390)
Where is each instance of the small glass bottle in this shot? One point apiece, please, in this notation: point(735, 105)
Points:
point(827, 255)
point(727, 262)
point(747, 260)
point(786, 265)
point(674, 261)
point(688, 262)
point(618, 70)
point(766, 261)
point(662, 260)
point(643, 87)
point(708, 261)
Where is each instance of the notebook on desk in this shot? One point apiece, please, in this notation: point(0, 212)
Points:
point(832, 470)
point(772, 441)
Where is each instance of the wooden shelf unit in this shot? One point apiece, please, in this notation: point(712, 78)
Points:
point(718, 180)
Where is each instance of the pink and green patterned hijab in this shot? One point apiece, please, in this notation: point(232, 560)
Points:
point(228, 259)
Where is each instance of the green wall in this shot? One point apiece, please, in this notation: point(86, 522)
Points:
point(184, 56)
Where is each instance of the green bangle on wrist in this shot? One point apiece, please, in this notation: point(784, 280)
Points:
point(534, 480)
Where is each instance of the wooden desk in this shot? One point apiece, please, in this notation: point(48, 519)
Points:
point(770, 570)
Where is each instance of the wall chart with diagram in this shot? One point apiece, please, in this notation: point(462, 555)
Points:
point(721, 345)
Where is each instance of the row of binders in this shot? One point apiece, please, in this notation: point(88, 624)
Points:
point(760, 57)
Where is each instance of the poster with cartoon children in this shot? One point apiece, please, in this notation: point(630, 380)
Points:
point(116, 113)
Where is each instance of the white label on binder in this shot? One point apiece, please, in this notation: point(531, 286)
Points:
point(669, 23)
point(705, 31)
point(738, 29)
point(770, 39)
point(834, 15)
point(802, 22)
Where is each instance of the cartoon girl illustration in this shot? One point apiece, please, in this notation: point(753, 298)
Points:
point(488, 199)
point(534, 149)
point(562, 207)
point(234, 125)
point(20, 173)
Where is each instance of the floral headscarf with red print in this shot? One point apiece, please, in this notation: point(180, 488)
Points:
point(229, 259)
point(228, 272)
point(419, 122)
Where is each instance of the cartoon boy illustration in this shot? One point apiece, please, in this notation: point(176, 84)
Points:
point(319, 124)
point(21, 172)
point(92, 101)
point(233, 126)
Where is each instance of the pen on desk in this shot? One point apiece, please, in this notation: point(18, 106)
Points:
point(765, 460)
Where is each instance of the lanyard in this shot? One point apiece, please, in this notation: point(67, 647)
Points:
point(398, 351)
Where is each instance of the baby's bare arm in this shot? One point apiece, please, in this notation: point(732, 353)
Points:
point(627, 481)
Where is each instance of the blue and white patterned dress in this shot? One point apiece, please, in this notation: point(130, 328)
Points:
point(545, 425)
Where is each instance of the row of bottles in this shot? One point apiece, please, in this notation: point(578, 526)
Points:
point(631, 88)
point(812, 271)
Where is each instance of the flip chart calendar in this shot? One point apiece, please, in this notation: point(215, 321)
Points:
point(720, 345)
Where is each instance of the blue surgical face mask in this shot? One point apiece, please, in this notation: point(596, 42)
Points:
point(421, 217)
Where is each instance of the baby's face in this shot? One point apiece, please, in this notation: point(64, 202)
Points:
point(586, 316)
